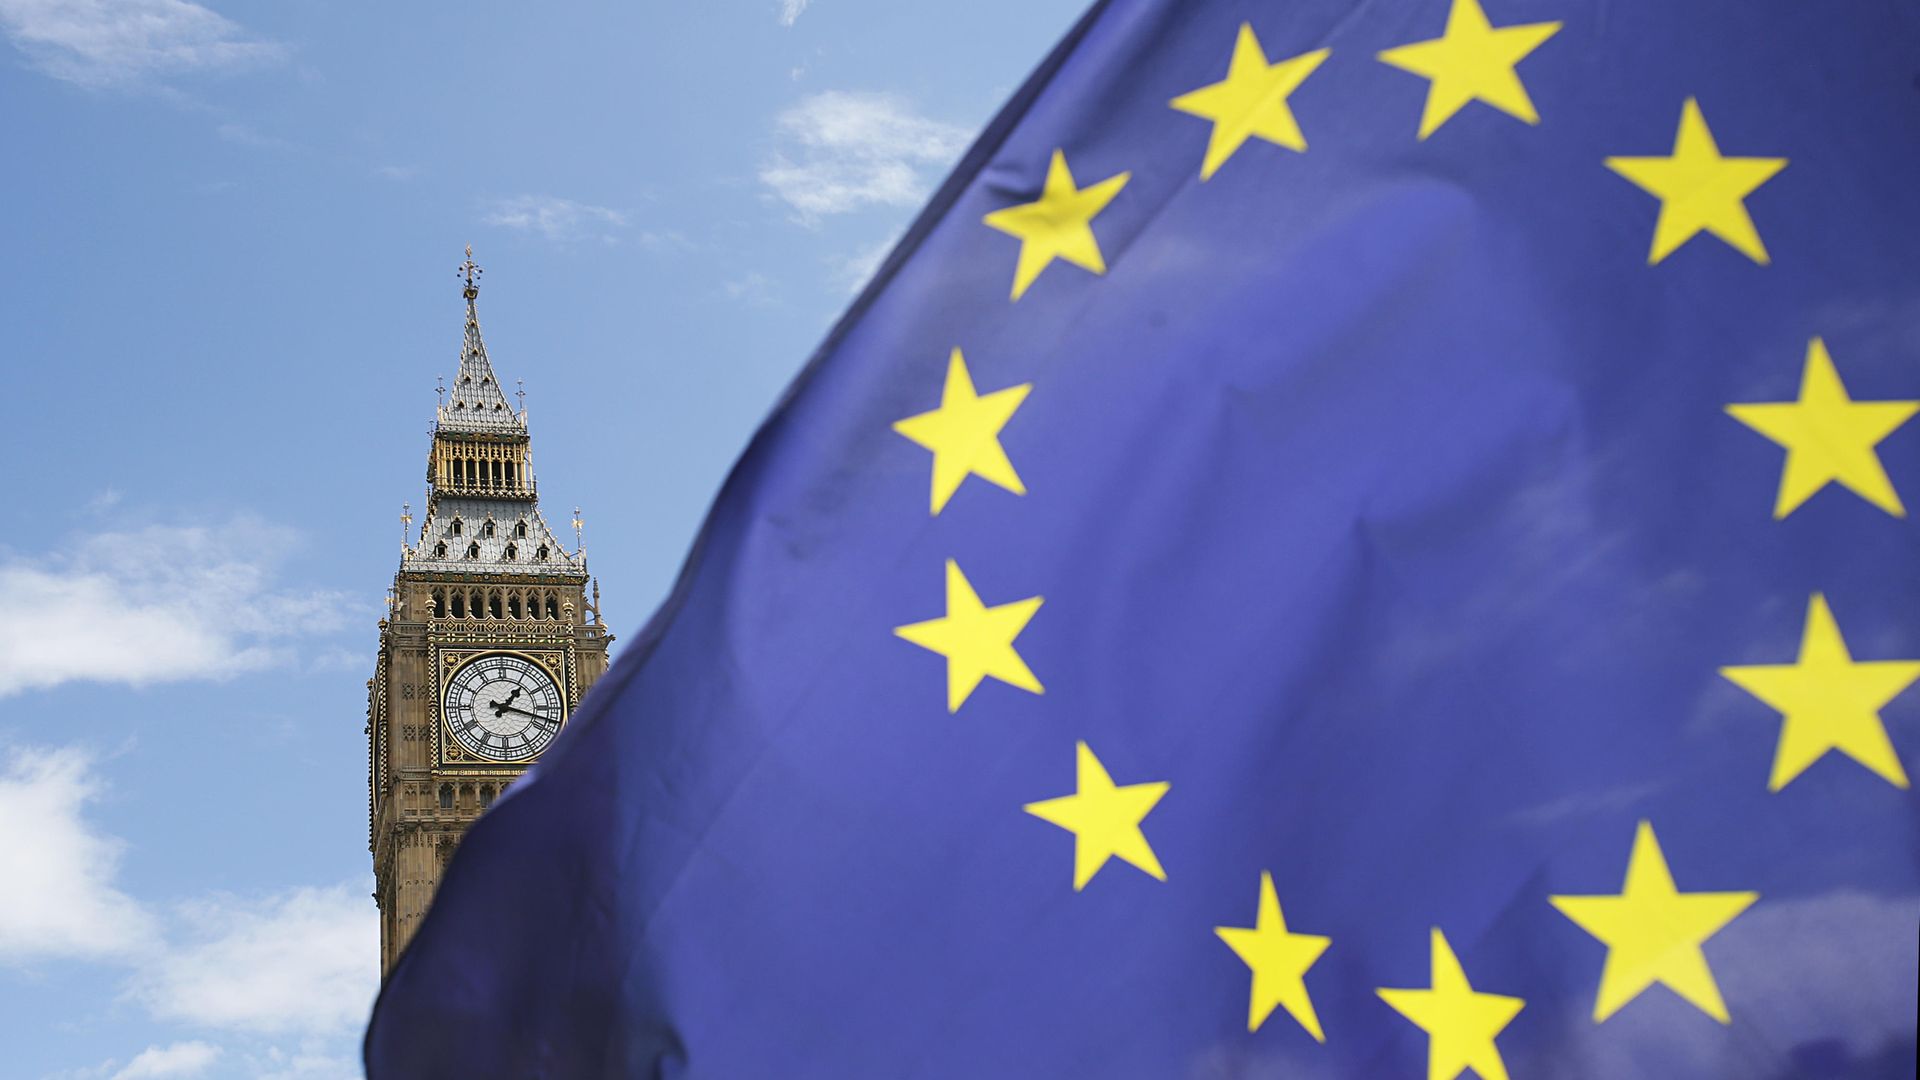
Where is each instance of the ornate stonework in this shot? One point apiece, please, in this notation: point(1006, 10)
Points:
point(485, 577)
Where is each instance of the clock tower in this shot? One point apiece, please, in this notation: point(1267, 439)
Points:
point(491, 638)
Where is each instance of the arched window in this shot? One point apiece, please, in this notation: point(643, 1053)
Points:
point(456, 526)
point(512, 553)
point(520, 530)
point(553, 607)
point(473, 550)
point(440, 550)
point(493, 604)
point(439, 604)
point(466, 794)
point(487, 529)
point(459, 606)
point(486, 795)
point(541, 553)
point(473, 604)
point(513, 604)
point(446, 796)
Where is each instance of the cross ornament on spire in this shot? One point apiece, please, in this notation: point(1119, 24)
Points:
point(470, 272)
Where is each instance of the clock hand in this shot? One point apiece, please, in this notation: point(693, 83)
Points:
point(505, 703)
point(503, 708)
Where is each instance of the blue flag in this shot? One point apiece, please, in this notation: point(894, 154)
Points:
point(1350, 539)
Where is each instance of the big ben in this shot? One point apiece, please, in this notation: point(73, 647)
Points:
point(491, 639)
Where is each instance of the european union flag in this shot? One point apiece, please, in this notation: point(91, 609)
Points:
point(1350, 539)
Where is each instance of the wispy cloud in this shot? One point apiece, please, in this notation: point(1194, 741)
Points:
point(842, 151)
point(157, 604)
point(127, 44)
point(753, 288)
point(294, 964)
point(297, 962)
point(396, 172)
point(853, 271)
point(248, 135)
point(556, 219)
point(182, 1059)
point(57, 896)
point(790, 11)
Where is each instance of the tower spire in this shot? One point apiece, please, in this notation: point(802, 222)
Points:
point(476, 402)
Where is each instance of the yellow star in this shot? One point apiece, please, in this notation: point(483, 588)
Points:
point(1279, 961)
point(1059, 225)
point(1104, 820)
point(1828, 702)
point(1461, 1023)
point(1250, 101)
point(976, 640)
point(1700, 190)
point(1472, 62)
point(1653, 932)
point(964, 434)
point(1828, 436)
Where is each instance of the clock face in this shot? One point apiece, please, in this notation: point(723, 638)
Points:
point(503, 708)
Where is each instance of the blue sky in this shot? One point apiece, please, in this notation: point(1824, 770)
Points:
point(226, 290)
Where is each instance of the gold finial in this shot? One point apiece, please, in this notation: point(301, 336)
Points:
point(578, 525)
point(470, 272)
point(406, 526)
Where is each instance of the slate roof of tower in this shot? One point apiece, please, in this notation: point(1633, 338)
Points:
point(474, 401)
point(473, 514)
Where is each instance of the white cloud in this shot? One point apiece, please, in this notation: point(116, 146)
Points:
point(116, 44)
point(157, 604)
point(57, 896)
point(754, 288)
point(557, 219)
point(303, 961)
point(842, 151)
point(790, 11)
point(313, 1060)
point(180, 1059)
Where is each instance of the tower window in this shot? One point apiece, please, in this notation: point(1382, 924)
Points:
point(493, 605)
point(440, 550)
point(473, 550)
point(473, 604)
point(512, 553)
point(459, 606)
point(541, 553)
point(513, 601)
point(487, 530)
point(466, 794)
point(520, 529)
point(446, 796)
point(553, 607)
point(486, 795)
point(456, 526)
point(439, 601)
